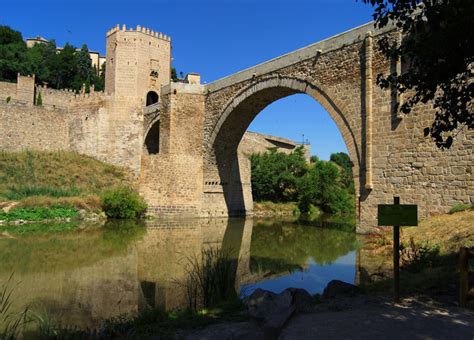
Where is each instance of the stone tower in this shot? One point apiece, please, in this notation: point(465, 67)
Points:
point(138, 63)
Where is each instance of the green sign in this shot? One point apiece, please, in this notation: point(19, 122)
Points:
point(397, 214)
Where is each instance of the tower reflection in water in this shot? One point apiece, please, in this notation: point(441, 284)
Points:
point(83, 277)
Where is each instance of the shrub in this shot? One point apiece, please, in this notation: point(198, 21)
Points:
point(39, 100)
point(122, 202)
point(415, 256)
point(8, 99)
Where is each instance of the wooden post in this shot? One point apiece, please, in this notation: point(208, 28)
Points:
point(464, 271)
point(396, 257)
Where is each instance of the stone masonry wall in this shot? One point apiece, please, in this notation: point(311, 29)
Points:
point(171, 181)
point(390, 155)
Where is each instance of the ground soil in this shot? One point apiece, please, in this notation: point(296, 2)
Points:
point(360, 317)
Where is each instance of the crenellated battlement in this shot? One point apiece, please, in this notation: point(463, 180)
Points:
point(25, 91)
point(139, 29)
point(68, 97)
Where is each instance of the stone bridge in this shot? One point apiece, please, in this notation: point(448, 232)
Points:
point(199, 172)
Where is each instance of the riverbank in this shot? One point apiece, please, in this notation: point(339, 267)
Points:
point(51, 187)
point(429, 305)
point(360, 317)
point(429, 256)
point(271, 209)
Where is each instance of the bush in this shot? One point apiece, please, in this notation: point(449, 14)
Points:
point(122, 202)
point(416, 256)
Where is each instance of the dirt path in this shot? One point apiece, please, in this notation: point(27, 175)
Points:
point(361, 318)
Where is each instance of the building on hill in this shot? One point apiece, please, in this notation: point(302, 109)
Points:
point(97, 59)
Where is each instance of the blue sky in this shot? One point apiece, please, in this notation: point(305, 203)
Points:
point(214, 38)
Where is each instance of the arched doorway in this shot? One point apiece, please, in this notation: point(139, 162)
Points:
point(151, 98)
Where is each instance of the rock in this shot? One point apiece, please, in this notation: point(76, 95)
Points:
point(273, 323)
point(262, 303)
point(6, 234)
point(8, 206)
point(274, 310)
point(302, 300)
point(336, 288)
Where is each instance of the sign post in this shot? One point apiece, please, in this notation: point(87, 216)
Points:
point(397, 215)
point(396, 257)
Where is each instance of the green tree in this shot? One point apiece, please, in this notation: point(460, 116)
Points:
point(63, 71)
point(323, 186)
point(12, 54)
point(275, 175)
point(85, 71)
point(41, 59)
point(438, 47)
point(342, 159)
point(174, 74)
point(99, 80)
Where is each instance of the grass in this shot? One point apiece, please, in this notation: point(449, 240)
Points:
point(55, 174)
point(150, 323)
point(461, 207)
point(430, 256)
point(39, 213)
point(267, 208)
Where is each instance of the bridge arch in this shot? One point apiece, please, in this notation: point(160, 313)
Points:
point(239, 112)
point(255, 97)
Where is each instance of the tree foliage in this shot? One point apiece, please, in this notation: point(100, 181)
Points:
point(438, 49)
point(70, 68)
point(275, 175)
point(342, 159)
point(279, 177)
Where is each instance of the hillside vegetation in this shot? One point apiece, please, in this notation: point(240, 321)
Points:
point(40, 178)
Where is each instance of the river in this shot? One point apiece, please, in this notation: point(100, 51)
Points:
point(80, 278)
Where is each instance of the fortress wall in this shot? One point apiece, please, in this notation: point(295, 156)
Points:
point(7, 90)
point(123, 132)
point(88, 127)
point(24, 126)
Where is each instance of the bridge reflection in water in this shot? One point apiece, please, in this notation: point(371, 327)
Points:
point(84, 277)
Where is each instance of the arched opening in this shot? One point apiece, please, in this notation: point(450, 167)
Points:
point(151, 98)
point(152, 139)
point(224, 161)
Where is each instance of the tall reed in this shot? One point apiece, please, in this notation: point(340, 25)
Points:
point(210, 278)
point(10, 322)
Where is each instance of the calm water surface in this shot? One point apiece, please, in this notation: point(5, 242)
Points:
point(79, 278)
